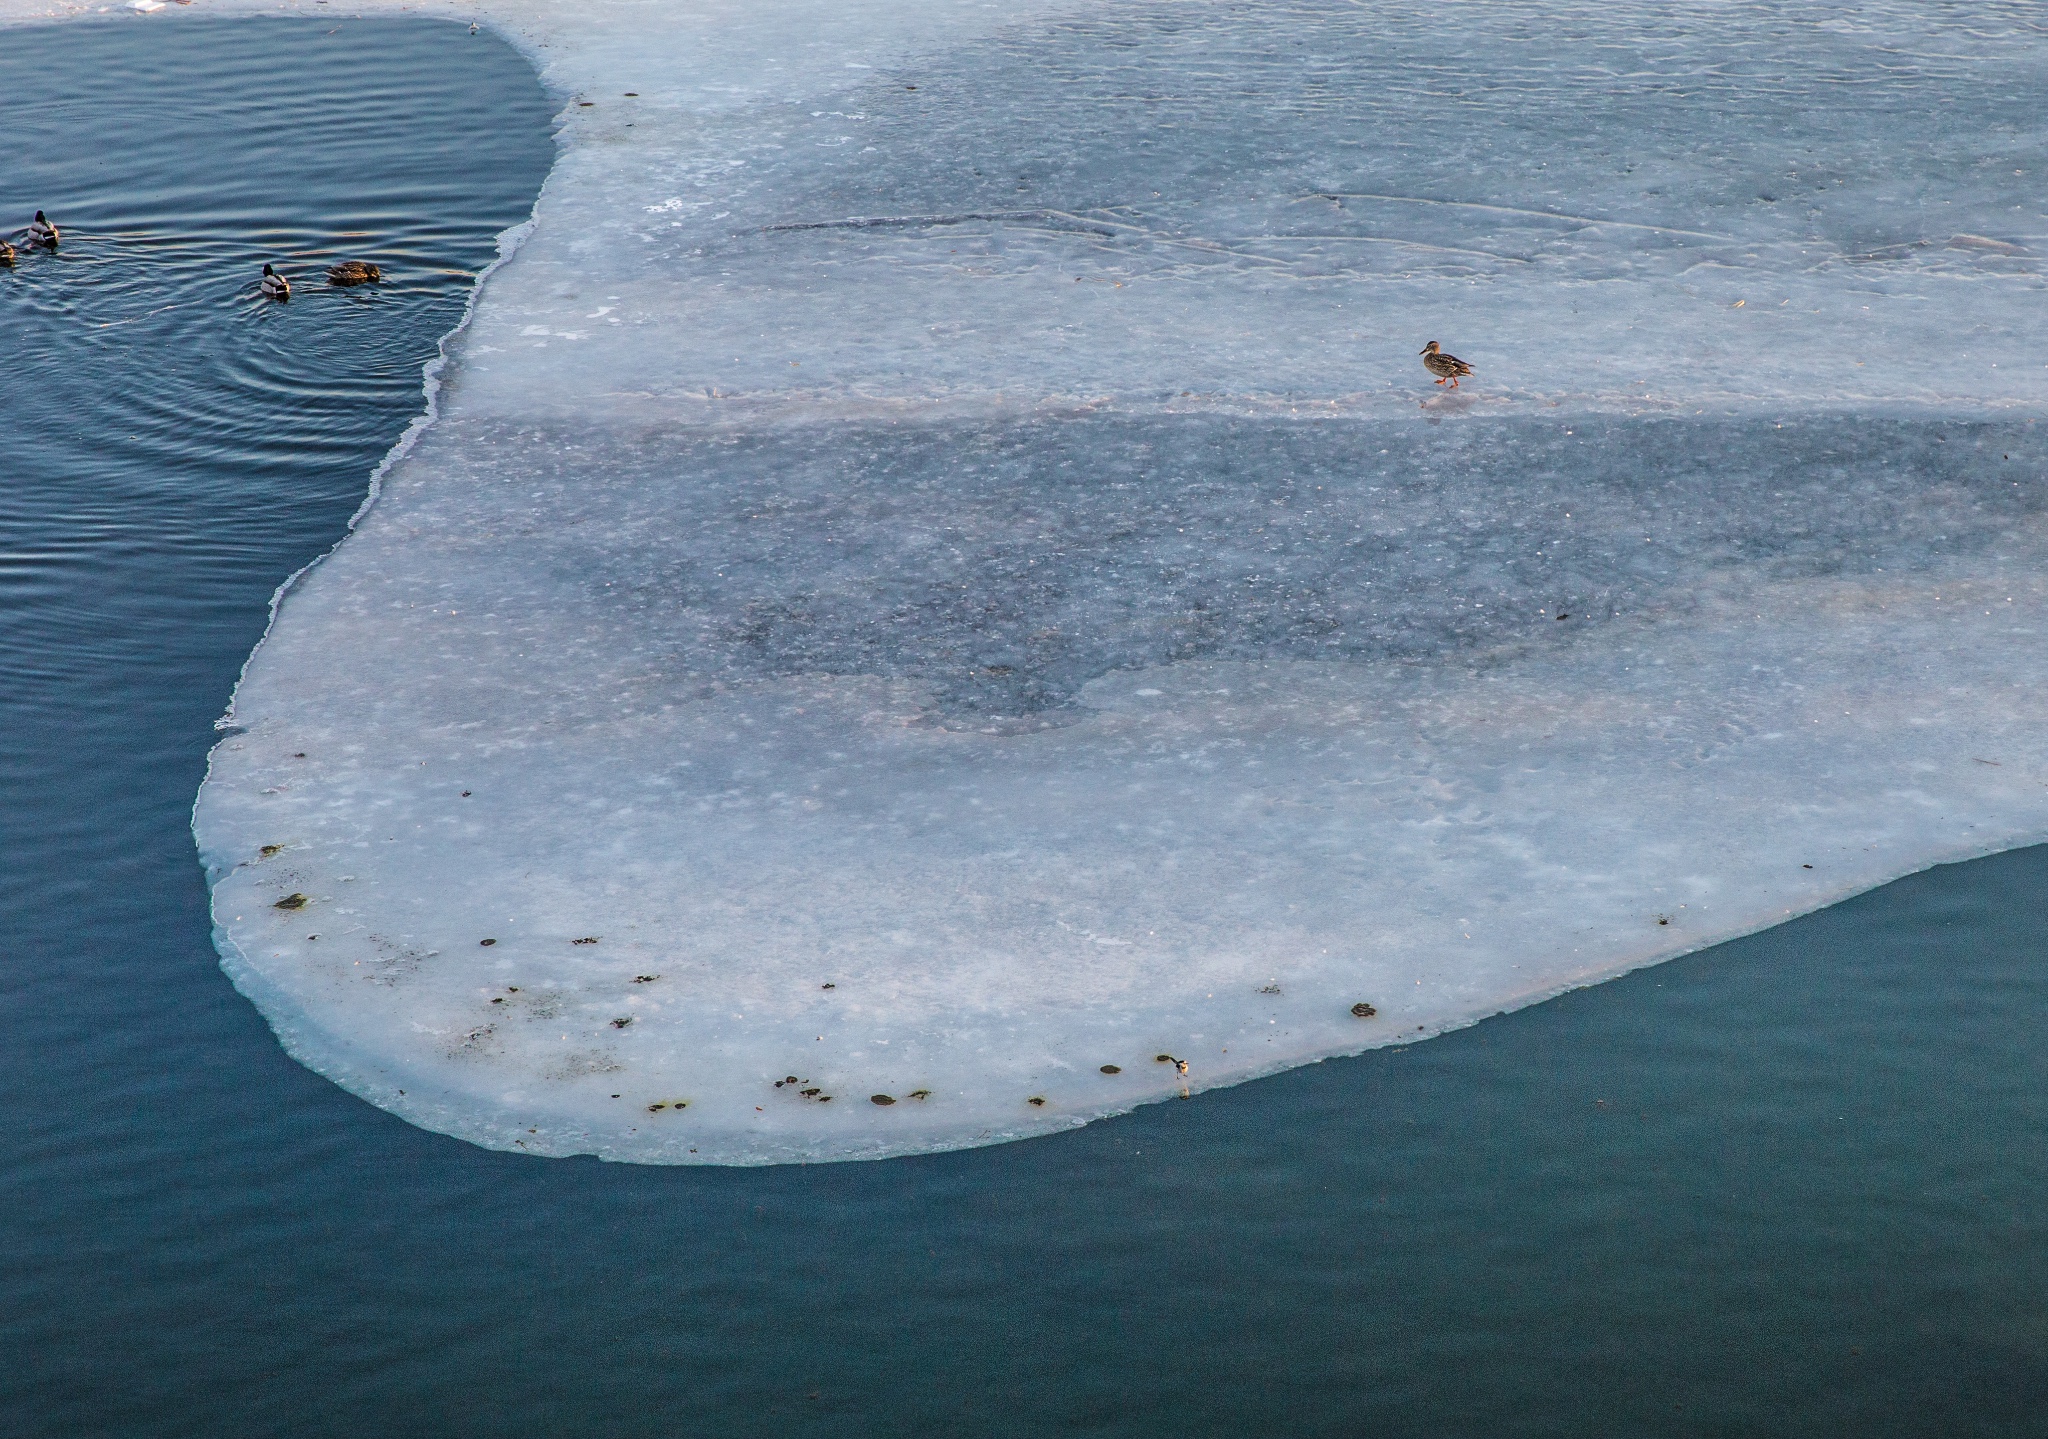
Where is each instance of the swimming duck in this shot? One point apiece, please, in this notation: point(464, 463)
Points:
point(6, 256)
point(42, 232)
point(354, 272)
point(276, 286)
point(1444, 367)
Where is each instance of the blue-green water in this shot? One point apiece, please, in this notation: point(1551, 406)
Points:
point(1792, 1185)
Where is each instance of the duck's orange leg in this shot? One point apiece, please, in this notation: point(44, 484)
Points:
point(1439, 382)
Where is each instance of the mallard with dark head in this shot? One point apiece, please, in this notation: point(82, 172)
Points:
point(354, 272)
point(42, 232)
point(1444, 367)
point(276, 286)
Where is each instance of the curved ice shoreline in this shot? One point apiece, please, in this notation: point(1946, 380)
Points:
point(757, 726)
point(1089, 893)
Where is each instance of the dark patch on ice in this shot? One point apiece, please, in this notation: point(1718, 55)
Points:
point(1003, 567)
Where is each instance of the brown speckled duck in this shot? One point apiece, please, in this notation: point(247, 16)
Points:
point(354, 272)
point(1444, 367)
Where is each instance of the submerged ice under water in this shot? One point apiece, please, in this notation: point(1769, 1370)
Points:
point(931, 579)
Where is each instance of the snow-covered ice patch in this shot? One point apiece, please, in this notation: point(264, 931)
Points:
point(940, 766)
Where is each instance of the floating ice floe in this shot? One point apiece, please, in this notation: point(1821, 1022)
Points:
point(939, 577)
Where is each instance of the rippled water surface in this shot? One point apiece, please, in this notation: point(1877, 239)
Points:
point(1788, 1186)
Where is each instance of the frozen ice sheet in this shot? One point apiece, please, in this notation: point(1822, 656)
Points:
point(959, 761)
point(938, 569)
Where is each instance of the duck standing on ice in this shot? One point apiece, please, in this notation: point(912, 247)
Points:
point(1444, 367)
point(276, 286)
point(42, 232)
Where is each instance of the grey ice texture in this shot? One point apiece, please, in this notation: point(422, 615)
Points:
point(938, 569)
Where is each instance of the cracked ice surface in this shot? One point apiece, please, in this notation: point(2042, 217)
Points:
point(931, 576)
